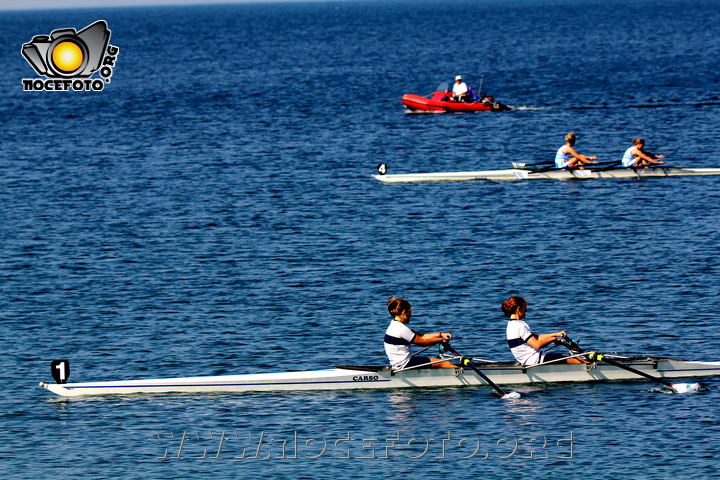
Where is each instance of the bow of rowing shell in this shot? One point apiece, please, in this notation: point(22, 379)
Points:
point(524, 174)
point(357, 377)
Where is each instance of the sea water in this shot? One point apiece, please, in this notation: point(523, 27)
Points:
point(211, 211)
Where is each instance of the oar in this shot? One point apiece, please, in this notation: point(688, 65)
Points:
point(587, 166)
point(552, 165)
point(545, 169)
point(468, 363)
point(523, 165)
point(603, 164)
point(677, 387)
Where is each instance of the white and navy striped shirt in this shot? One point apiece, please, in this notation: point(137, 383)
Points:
point(398, 338)
point(518, 333)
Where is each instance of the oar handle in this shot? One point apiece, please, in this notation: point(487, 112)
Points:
point(571, 344)
point(446, 346)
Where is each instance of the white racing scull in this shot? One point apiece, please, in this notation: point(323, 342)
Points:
point(368, 377)
point(521, 172)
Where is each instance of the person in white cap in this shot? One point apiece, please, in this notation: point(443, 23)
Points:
point(459, 89)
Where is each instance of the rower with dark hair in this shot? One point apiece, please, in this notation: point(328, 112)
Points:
point(399, 338)
point(525, 345)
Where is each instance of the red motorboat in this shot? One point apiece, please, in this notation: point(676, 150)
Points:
point(441, 101)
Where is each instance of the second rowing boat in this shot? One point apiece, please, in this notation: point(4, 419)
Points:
point(523, 173)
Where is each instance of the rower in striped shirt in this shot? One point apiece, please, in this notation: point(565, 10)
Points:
point(635, 156)
point(399, 338)
point(568, 157)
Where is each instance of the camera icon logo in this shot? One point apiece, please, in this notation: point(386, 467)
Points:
point(66, 53)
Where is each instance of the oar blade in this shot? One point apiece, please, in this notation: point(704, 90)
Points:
point(686, 387)
point(510, 396)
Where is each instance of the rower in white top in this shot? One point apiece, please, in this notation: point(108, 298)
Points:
point(526, 346)
point(635, 156)
point(399, 337)
point(568, 157)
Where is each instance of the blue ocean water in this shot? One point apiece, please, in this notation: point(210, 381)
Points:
point(211, 211)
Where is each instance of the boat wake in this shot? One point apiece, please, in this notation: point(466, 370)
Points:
point(527, 107)
point(421, 112)
point(646, 105)
point(612, 107)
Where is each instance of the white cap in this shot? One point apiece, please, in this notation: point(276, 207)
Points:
point(459, 77)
